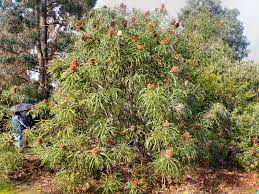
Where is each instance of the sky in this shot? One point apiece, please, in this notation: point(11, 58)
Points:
point(249, 15)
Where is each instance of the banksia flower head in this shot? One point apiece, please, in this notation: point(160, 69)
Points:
point(62, 146)
point(113, 23)
point(162, 8)
point(175, 70)
point(122, 132)
point(133, 19)
point(208, 115)
point(147, 13)
point(134, 183)
point(85, 37)
point(173, 22)
point(74, 65)
point(166, 124)
point(152, 25)
point(66, 102)
point(110, 31)
point(133, 128)
point(135, 37)
point(140, 47)
point(186, 136)
point(187, 78)
point(94, 151)
point(198, 126)
point(46, 101)
point(165, 41)
point(39, 141)
point(151, 87)
point(79, 25)
point(168, 153)
point(91, 61)
point(119, 33)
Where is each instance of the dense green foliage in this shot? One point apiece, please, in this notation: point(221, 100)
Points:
point(138, 100)
point(233, 35)
point(13, 90)
point(9, 159)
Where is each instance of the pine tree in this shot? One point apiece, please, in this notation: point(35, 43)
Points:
point(33, 32)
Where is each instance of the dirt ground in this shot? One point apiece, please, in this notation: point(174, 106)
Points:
point(34, 179)
point(207, 180)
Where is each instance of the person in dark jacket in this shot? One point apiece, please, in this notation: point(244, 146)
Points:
point(20, 122)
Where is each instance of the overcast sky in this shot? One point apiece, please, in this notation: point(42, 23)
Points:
point(249, 15)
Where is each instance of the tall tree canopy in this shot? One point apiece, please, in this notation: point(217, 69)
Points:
point(234, 35)
point(34, 31)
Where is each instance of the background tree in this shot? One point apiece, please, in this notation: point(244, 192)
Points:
point(33, 32)
point(233, 35)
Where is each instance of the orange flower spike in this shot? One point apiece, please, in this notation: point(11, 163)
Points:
point(198, 126)
point(39, 141)
point(85, 37)
point(165, 41)
point(62, 146)
point(175, 70)
point(169, 154)
point(173, 22)
point(140, 47)
point(46, 101)
point(151, 87)
point(113, 23)
point(186, 136)
point(91, 61)
point(110, 31)
point(134, 183)
point(133, 19)
point(162, 8)
point(147, 13)
point(166, 124)
point(94, 151)
point(74, 65)
point(79, 25)
point(152, 25)
point(135, 38)
point(122, 132)
point(162, 153)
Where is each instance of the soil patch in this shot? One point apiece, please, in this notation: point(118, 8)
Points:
point(32, 178)
point(208, 180)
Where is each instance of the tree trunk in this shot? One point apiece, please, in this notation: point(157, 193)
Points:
point(42, 46)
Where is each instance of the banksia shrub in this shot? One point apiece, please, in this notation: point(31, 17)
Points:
point(246, 137)
point(127, 104)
